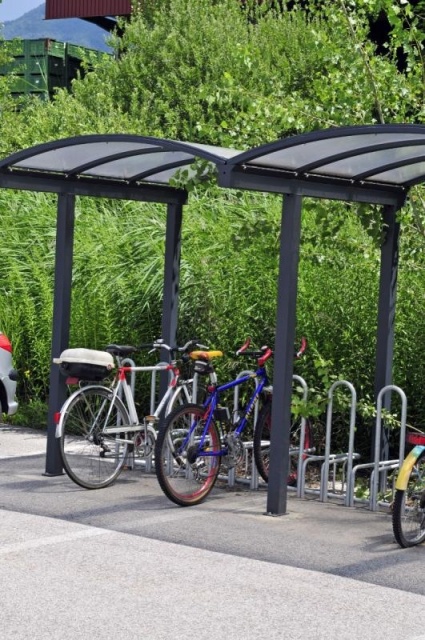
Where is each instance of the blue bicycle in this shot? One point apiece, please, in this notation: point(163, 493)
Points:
point(195, 439)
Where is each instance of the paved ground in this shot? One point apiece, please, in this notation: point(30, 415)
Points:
point(91, 564)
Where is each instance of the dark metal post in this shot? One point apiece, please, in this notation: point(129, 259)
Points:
point(284, 354)
point(61, 323)
point(170, 303)
point(386, 313)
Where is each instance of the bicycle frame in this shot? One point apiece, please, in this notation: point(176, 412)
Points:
point(211, 404)
point(122, 384)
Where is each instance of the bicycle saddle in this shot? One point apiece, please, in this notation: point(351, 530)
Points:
point(205, 355)
point(120, 350)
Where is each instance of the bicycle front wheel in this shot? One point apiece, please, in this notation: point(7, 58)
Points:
point(187, 458)
point(93, 457)
point(409, 508)
point(262, 436)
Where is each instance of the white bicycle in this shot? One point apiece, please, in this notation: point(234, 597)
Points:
point(98, 425)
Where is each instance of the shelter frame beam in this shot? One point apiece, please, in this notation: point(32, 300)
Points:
point(284, 354)
point(61, 323)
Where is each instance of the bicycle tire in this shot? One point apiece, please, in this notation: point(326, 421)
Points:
point(91, 458)
point(184, 477)
point(409, 508)
point(262, 434)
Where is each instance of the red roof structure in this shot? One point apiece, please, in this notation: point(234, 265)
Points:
point(86, 8)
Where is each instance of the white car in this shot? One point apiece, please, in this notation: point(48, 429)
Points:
point(8, 377)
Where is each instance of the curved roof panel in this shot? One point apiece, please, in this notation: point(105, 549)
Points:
point(370, 152)
point(338, 162)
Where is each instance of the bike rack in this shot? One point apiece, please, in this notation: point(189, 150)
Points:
point(328, 459)
point(379, 468)
point(254, 479)
point(154, 385)
point(147, 462)
point(253, 484)
point(382, 466)
point(301, 452)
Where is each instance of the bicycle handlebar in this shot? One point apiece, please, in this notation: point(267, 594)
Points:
point(161, 344)
point(265, 352)
point(303, 347)
point(244, 347)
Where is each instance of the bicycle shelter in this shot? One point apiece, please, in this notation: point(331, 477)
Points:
point(375, 164)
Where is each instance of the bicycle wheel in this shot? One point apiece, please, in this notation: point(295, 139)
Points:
point(262, 436)
point(185, 473)
point(91, 457)
point(409, 508)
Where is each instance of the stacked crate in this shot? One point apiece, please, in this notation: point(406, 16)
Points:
point(38, 66)
point(41, 66)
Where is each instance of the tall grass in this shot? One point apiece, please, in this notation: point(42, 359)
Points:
point(228, 285)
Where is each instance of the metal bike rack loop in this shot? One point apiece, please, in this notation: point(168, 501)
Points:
point(381, 467)
point(338, 458)
point(254, 479)
point(247, 445)
point(349, 455)
point(384, 465)
point(154, 385)
point(304, 387)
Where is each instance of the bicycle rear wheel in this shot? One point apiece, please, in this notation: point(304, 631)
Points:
point(91, 457)
point(186, 472)
point(262, 435)
point(409, 508)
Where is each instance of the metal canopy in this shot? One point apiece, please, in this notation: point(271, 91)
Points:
point(97, 165)
point(374, 163)
point(371, 163)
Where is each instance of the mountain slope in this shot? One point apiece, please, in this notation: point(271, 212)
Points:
point(32, 25)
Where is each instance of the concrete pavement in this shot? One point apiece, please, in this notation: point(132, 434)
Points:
point(125, 561)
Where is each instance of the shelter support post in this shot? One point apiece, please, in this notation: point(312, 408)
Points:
point(284, 354)
point(386, 313)
point(61, 323)
point(170, 302)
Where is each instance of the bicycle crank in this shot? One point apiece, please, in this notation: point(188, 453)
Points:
point(236, 452)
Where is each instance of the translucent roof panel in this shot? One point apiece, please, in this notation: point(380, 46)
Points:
point(68, 158)
point(140, 165)
point(376, 159)
point(295, 154)
point(370, 162)
point(117, 157)
point(410, 174)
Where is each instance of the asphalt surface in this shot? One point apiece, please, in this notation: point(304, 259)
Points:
point(124, 561)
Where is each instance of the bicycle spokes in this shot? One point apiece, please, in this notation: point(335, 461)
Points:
point(187, 455)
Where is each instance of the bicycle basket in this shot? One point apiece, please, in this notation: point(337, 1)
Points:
point(85, 364)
